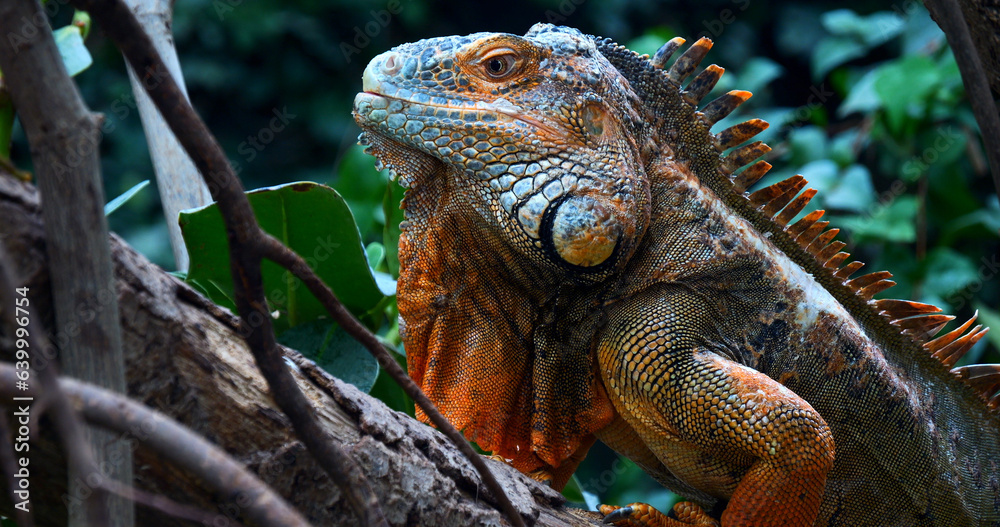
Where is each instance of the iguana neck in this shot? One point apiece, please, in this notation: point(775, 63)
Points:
point(472, 313)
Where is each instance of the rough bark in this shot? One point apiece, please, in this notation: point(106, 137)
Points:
point(183, 357)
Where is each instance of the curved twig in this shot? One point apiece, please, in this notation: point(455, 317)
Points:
point(219, 472)
point(166, 505)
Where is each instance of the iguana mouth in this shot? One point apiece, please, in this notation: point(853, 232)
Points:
point(421, 105)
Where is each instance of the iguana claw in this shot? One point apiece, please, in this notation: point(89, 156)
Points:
point(623, 513)
point(645, 515)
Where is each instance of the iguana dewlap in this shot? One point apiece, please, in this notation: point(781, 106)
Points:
point(579, 260)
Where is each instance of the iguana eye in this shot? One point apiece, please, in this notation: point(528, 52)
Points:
point(500, 65)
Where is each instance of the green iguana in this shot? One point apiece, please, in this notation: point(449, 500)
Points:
point(580, 261)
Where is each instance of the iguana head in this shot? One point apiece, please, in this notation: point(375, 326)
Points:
point(533, 129)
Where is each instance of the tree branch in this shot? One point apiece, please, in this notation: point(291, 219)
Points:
point(64, 138)
point(177, 179)
point(219, 472)
point(949, 16)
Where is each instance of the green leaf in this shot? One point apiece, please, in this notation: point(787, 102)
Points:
point(74, 53)
point(852, 37)
point(892, 222)
point(574, 492)
point(387, 391)
point(81, 19)
point(221, 294)
point(757, 73)
point(904, 87)
point(862, 97)
point(948, 272)
point(872, 30)
point(834, 51)
point(315, 222)
point(335, 351)
point(987, 217)
point(375, 253)
point(821, 174)
point(806, 144)
point(854, 190)
point(114, 204)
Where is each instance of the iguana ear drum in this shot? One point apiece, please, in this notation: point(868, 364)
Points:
point(583, 231)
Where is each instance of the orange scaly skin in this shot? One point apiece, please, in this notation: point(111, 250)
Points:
point(579, 262)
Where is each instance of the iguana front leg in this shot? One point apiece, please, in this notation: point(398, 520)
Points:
point(717, 425)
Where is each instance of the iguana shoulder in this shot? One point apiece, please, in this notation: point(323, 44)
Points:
point(580, 259)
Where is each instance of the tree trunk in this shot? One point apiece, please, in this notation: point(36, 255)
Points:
point(983, 19)
point(184, 357)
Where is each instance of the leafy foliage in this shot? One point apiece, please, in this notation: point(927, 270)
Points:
point(326, 237)
point(329, 241)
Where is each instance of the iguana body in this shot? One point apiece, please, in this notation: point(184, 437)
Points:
point(578, 261)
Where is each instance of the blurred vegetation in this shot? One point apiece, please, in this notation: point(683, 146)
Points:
point(864, 100)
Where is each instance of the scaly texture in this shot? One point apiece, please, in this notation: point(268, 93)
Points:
point(580, 260)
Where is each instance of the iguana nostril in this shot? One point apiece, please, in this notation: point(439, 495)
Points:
point(391, 63)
